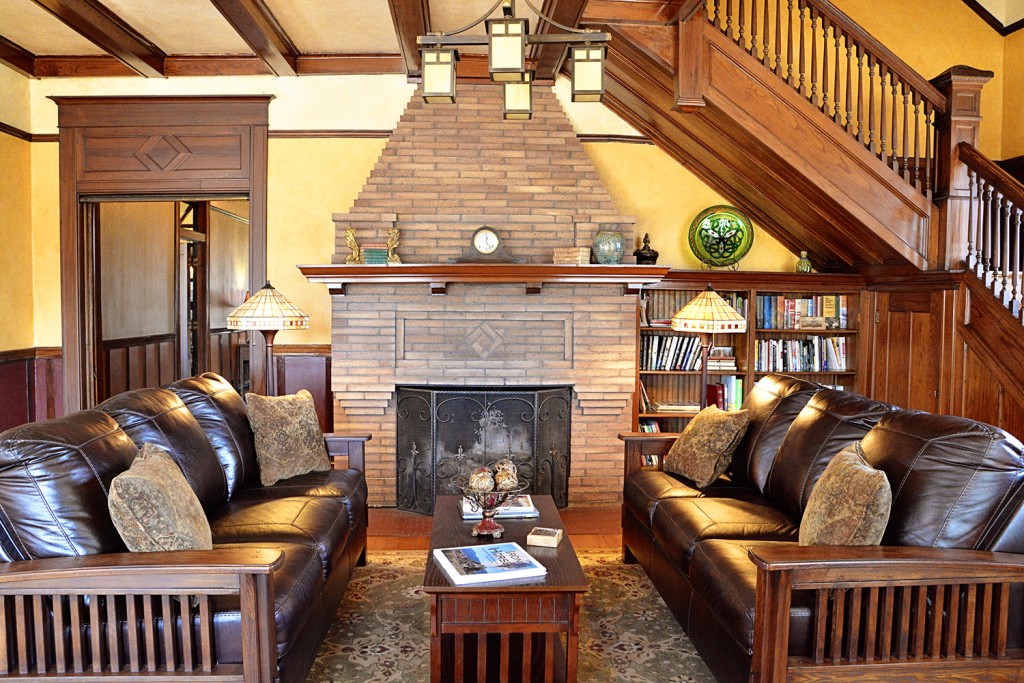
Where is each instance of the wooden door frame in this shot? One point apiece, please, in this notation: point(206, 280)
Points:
point(148, 147)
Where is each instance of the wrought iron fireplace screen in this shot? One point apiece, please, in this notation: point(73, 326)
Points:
point(443, 431)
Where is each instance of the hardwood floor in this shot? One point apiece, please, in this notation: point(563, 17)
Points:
point(590, 527)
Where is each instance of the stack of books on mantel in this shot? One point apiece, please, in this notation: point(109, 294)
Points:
point(482, 563)
point(572, 256)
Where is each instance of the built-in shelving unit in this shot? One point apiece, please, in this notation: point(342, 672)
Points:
point(778, 308)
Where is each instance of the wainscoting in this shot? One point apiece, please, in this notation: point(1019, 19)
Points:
point(30, 386)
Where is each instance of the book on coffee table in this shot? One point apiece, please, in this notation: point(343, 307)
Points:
point(482, 563)
point(517, 507)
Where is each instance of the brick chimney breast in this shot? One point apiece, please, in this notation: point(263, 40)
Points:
point(450, 168)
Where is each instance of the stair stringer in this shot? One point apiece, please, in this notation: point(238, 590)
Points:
point(838, 202)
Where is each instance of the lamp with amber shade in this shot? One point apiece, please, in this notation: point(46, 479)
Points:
point(708, 314)
point(268, 311)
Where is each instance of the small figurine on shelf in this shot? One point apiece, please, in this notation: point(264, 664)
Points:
point(645, 256)
point(803, 265)
point(350, 240)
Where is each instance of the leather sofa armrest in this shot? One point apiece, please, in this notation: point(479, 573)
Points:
point(349, 446)
point(639, 444)
point(145, 587)
point(888, 596)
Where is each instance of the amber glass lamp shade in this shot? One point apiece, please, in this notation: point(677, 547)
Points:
point(268, 311)
point(708, 314)
point(587, 73)
point(439, 65)
point(519, 99)
point(507, 48)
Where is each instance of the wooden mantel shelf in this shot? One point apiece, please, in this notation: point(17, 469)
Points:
point(439, 275)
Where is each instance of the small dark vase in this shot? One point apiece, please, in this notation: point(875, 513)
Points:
point(645, 256)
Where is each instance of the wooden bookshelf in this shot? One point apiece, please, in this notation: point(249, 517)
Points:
point(682, 386)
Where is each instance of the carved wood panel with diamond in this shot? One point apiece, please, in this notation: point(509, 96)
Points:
point(219, 154)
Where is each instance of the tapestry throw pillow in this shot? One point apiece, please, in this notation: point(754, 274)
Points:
point(704, 450)
point(154, 508)
point(850, 503)
point(289, 441)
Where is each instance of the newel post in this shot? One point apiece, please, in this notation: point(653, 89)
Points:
point(960, 122)
point(691, 57)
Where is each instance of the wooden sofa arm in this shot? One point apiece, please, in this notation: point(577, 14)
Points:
point(887, 613)
point(87, 600)
point(351, 447)
point(639, 444)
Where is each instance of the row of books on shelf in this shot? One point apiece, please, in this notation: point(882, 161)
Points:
point(737, 301)
point(814, 354)
point(726, 394)
point(664, 352)
point(649, 406)
point(820, 312)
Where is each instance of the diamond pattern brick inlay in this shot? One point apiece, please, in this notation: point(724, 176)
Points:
point(485, 340)
point(162, 153)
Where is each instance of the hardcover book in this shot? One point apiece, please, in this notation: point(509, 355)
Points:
point(482, 563)
point(517, 507)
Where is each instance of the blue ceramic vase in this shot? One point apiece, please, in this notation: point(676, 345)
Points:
point(609, 247)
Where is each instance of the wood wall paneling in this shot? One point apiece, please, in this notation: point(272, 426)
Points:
point(307, 368)
point(30, 386)
point(15, 398)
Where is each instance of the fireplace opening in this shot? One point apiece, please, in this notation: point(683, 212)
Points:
point(444, 431)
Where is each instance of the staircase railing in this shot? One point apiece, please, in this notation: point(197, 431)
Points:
point(846, 73)
point(994, 227)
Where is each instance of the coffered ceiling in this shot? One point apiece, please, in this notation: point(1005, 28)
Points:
point(167, 38)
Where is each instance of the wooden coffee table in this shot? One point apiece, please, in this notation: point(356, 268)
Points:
point(504, 631)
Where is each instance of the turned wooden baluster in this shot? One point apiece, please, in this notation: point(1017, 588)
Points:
point(728, 19)
point(1015, 261)
point(789, 44)
point(872, 123)
point(803, 52)
point(1005, 207)
point(753, 29)
point(860, 95)
point(972, 221)
point(815, 100)
point(895, 162)
point(715, 18)
point(929, 153)
point(825, 77)
point(778, 38)
point(742, 25)
point(838, 115)
point(849, 86)
point(987, 266)
point(906, 133)
point(766, 37)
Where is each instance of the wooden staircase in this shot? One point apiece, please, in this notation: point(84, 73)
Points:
point(796, 115)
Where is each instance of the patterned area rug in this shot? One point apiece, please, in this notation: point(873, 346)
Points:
point(381, 630)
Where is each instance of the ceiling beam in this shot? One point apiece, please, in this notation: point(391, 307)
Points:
point(96, 23)
point(259, 29)
point(412, 20)
point(17, 57)
point(549, 57)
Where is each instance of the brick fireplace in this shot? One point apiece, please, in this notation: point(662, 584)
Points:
point(447, 170)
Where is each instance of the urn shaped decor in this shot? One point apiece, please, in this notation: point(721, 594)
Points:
point(609, 247)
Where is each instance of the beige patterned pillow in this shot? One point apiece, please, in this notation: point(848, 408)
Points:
point(704, 450)
point(289, 441)
point(850, 503)
point(154, 508)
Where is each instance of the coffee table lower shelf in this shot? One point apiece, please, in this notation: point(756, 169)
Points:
point(500, 638)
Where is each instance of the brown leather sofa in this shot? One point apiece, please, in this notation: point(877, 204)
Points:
point(257, 605)
point(941, 599)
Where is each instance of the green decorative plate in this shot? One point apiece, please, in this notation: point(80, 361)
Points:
point(721, 236)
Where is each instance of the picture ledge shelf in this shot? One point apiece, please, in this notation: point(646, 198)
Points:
point(438, 276)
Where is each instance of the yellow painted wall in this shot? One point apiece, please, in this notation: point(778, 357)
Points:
point(1013, 101)
point(14, 104)
point(665, 197)
point(933, 35)
point(309, 180)
point(45, 254)
point(16, 243)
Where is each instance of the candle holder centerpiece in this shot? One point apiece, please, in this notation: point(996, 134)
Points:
point(487, 488)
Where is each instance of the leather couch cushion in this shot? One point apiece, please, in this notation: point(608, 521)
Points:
point(298, 598)
point(725, 579)
point(950, 478)
point(830, 422)
point(154, 508)
point(56, 476)
point(772, 405)
point(221, 413)
point(704, 450)
point(680, 524)
point(320, 523)
point(158, 416)
point(289, 441)
point(347, 485)
point(644, 488)
point(850, 504)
